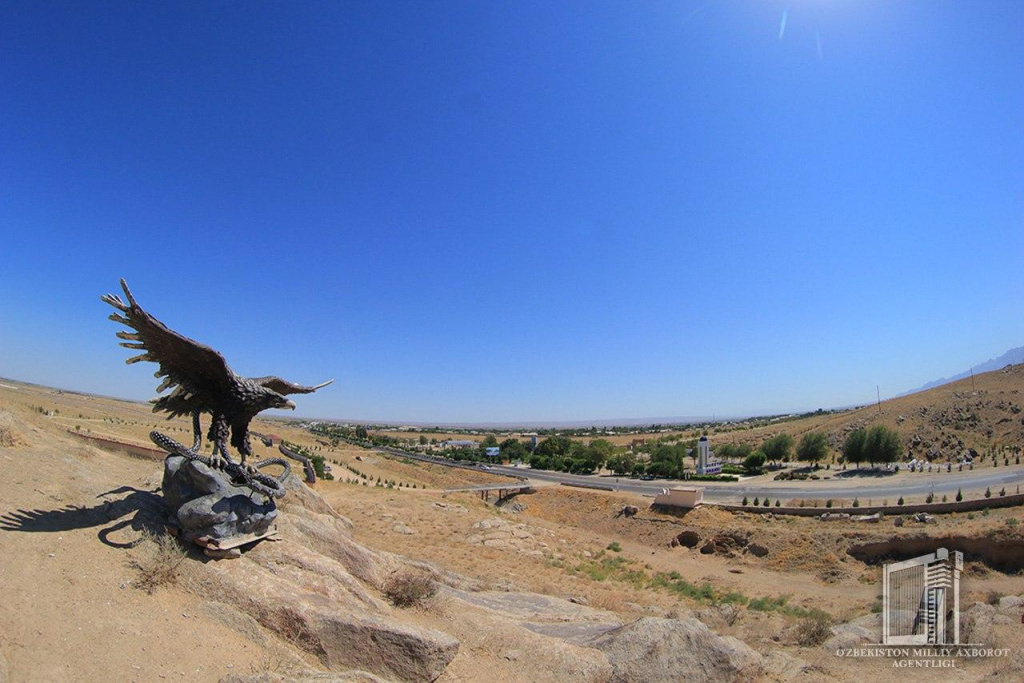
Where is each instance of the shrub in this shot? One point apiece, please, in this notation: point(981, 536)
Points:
point(900, 501)
point(959, 496)
point(614, 547)
point(814, 629)
point(930, 498)
point(409, 589)
point(765, 503)
point(159, 561)
point(778, 503)
point(1002, 491)
point(988, 492)
point(757, 501)
point(856, 503)
point(828, 503)
point(745, 501)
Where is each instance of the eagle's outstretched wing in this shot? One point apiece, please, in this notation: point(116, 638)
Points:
point(285, 387)
point(199, 372)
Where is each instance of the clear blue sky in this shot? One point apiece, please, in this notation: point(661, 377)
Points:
point(486, 211)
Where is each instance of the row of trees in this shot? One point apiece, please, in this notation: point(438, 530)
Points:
point(878, 445)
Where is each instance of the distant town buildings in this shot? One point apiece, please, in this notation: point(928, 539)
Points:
point(459, 443)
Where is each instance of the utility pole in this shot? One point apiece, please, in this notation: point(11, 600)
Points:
point(972, 378)
point(878, 395)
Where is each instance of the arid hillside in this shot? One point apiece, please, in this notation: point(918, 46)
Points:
point(554, 585)
point(939, 424)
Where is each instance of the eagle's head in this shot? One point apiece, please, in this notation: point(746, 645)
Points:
point(272, 399)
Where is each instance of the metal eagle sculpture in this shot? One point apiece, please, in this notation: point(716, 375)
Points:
point(202, 382)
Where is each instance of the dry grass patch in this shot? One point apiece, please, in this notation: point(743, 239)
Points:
point(814, 629)
point(408, 589)
point(158, 561)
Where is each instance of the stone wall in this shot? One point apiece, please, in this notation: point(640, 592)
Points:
point(996, 501)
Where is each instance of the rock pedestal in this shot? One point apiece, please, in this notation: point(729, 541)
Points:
point(206, 503)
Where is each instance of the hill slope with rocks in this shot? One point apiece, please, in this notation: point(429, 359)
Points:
point(553, 586)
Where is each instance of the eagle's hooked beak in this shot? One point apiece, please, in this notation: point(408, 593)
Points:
point(290, 405)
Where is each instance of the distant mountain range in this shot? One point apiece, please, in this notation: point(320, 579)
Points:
point(1011, 357)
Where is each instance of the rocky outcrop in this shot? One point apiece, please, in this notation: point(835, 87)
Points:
point(318, 589)
point(653, 649)
point(779, 666)
point(497, 533)
point(976, 624)
point(206, 503)
point(848, 635)
point(1011, 605)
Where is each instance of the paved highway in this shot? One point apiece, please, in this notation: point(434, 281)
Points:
point(893, 486)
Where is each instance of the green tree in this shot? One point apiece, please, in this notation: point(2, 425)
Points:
point(599, 451)
point(513, 449)
point(667, 460)
point(361, 432)
point(754, 462)
point(813, 448)
point(741, 451)
point(554, 446)
point(622, 464)
point(882, 445)
point(778, 448)
point(854, 450)
point(726, 452)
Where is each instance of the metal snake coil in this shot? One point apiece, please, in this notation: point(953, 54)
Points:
point(257, 481)
point(307, 464)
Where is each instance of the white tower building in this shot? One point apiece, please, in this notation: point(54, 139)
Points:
point(706, 464)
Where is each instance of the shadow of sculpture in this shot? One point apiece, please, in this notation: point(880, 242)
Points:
point(148, 510)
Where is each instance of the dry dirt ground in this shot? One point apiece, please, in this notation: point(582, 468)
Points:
point(73, 608)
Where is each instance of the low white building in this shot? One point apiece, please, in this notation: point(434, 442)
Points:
point(680, 497)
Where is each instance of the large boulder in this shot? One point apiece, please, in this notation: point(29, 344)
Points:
point(976, 624)
point(206, 503)
point(1011, 605)
point(849, 635)
point(779, 666)
point(654, 649)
